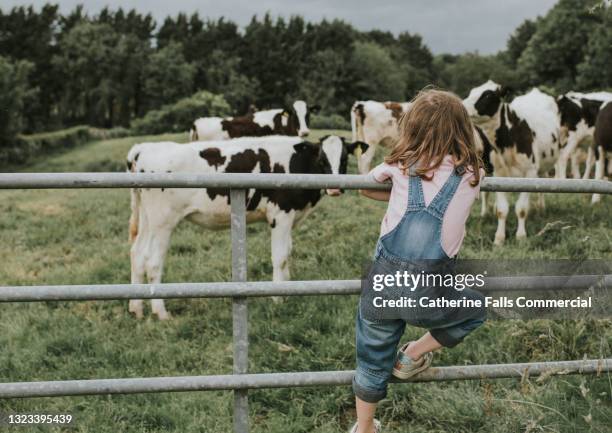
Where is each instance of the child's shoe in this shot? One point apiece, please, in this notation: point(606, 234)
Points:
point(377, 427)
point(405, 367)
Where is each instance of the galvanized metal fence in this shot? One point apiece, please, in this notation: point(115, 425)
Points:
point(239, 290)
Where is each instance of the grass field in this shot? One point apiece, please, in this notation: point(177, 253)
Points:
point(80, 237)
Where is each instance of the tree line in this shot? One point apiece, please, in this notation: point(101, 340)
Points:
point(109, 68)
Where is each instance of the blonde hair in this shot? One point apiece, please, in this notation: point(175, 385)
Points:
point(436, 124)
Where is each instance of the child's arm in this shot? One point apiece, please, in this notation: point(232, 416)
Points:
point(381, 174)
point(375, 194)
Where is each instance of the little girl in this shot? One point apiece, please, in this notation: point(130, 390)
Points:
point(435, 171)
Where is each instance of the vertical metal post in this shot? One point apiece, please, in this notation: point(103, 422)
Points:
point(239, 306)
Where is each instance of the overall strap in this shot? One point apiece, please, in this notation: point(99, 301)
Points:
point(438, 205)
point(416, 200)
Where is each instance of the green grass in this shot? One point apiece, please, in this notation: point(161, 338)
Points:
point(80, 237)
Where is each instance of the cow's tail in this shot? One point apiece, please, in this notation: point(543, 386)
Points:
point(135, 215)
point(132, 160)
point(193, 133)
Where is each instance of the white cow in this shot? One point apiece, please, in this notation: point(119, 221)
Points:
point(156, 212)
point(278, 121)
point(525, 136)
point(375, 123)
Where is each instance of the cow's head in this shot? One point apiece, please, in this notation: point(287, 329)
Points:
point(328, 156)
point(299, 117)
point(485, 100)
point(336, 151)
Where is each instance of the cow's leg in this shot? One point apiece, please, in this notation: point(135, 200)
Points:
point(588, 163)
point(522, 209)
point(281, 245)
point(138, 259)
point(138, 256)
point(564, 155)
point(575, 165)
point(599, 170)
point(502, 207)
point(158, 247)
point(483, 203)
point(561, 168)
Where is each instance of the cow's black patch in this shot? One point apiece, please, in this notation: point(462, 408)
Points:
point(306, 158)
point(273, 223)
point(128, 163)
point(570, 112)
point(603, 132)
point(590, 110)
point(245, 126)
point(488, 103)
point(502, 133)
point(213, 156)
point(244, 162)
point(521, 134)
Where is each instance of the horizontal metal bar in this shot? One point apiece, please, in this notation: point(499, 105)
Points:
point(268, 288)
point(289, 380)
point(271, 181)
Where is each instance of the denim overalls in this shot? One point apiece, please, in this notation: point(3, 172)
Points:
point(414, 243)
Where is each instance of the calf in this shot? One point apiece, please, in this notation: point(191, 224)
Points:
point(524, 136)
point(375, 123)
point(277, 121)
point(603, 144)
point(578, 113)
point(156, 212)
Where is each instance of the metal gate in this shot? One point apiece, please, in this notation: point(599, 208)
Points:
point(239, 290)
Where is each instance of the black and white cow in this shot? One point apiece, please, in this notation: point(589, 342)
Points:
point(603, 145)
point(524, 135)
point(278, 121)
point(375, 123)
point(579, 112)
point(156, 212)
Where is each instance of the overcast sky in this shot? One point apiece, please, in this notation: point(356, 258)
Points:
point(451, 26)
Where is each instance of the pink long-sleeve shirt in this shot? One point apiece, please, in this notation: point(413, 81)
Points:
point(453, 223)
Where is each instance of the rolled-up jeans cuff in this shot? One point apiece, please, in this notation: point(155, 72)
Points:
point(368, 395)
point(445, 338)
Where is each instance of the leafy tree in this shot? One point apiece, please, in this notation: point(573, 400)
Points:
point(14, 94)
point(168, 76)
point(324, 78)
point(595, 71)
point(87, 61)
point(29, 35)
point(559, 45)
point(223, 77)
point(518, 41)
point(463, 72)
point(416, 63)
point(376, 75)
